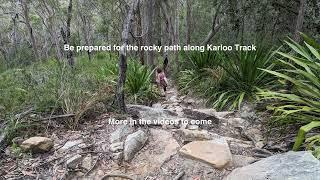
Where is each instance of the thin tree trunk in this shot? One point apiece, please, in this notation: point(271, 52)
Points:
point(85, 32)
point(300, 19)
point(188, 20)
point(66, 35)
point(139, 32)
point(215, 26)
point(123, 59)
point(157, 23)
point(28, 24)
point(148, 27)
point(234, 17)
point(168, 21)
point(177, 33)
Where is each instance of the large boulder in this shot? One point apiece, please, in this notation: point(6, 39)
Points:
point(290, 165)
point(133, 144)
point(37, 144)
point(215, 152)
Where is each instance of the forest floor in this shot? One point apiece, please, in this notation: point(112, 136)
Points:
point(87, 152)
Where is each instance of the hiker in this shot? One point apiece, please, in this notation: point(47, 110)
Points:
point(161, 80)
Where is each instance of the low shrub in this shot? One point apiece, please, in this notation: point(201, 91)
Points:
point(298, 100)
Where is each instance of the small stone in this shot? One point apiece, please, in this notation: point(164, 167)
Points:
point(190, 101)
point(157, 105)
point(255, 135)
point(117, 156)
point(37, 144)
point(133, 144)
point(193, 127)
point(87, 162)
point(215, 153)
point(73, 162)
point(235, 122)
point(68, 145)
point(182, 97)
point(116, 147)
point(175, 104)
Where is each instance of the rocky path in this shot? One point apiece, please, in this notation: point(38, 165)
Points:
point(188, 147)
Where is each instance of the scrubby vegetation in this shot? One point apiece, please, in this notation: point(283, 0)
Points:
point(51, 89)
point(298, 99)
point(229, 78)
point(286, 80)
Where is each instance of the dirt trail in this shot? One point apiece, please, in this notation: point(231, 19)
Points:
point(99, 148)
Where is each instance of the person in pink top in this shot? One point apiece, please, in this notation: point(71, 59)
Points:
point(161, 80)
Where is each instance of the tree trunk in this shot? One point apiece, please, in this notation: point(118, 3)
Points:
point(139, 33)
point(28, 24)
point(157, 23)
point(188, 20)
point(67, 34)
point(300, 19)
point(177, 33)
point(234, 17)
point(168, 22)
point(85, 32)
point(148, 28)
point(215, 25)
point(123, 59)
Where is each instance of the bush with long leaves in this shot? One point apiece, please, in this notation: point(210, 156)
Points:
point(242, 77)
point(138, 85)
point(200, 70)
point(298, 102)
point(227, 79)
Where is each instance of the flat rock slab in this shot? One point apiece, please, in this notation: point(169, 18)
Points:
point(290, 165)
point(215, 152)
point(160, 149)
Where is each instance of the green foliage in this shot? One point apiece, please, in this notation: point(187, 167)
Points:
point(300, 105)
point(199, 69)
point(17, 151)
point(243, 77)
point(13, 92)
point(52, 88)
point(138, 84)
point(313, 143)
point(199, 61)
point(227, 79)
